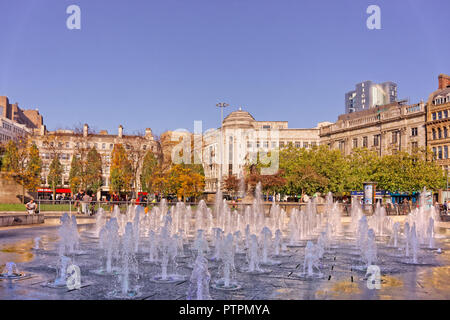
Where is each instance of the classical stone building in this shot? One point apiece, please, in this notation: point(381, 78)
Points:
point(11, 130)
point(388, 128)
point(65, 144)
point(438, 122)
point(226, 150)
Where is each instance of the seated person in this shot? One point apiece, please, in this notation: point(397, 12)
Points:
point(31, 207)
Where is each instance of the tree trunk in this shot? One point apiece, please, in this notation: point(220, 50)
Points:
point(23, 194)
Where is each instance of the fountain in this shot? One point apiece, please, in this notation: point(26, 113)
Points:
point(128, 263)
point(266, 237)
point(37, 243)
point(199, 281)
point(11, 272)
point(312, 259)
point(228, 267)
point(109, 242)
point(60, 281)
point(253, 258)
point(168, 250)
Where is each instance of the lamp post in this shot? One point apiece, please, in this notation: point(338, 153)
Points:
point(221, 105)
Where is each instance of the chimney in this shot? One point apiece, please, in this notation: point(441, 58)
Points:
point(120, 131)
point(85, 130)
point(444, 81)
point(148, 133)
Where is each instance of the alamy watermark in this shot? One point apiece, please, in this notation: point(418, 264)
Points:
point(227, 146)
point(374, 20)
point(73, 280)
point(74, 20)
point(373, 275)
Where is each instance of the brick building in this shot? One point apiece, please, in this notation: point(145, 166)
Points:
point(438, 122)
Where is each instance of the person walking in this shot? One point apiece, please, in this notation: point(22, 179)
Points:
point(84, 203)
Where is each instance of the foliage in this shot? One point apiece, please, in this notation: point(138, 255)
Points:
point(121, 170)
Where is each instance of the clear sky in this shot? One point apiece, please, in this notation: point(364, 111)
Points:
point(165, 63)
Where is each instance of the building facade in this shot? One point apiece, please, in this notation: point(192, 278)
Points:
point(368, 94)
point(438, 122)
point(240, 140)
point(29, 118)
point(66, 144)
point(384, 129)
point(11, 130)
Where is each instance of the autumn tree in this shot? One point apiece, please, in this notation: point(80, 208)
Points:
point(121, 171)
point(93, 170)
point(22, 163)
point(54, 177)
point(76, 173)
point(231, 184)
point(150, 166)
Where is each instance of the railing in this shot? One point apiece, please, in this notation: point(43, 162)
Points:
point(93, 206)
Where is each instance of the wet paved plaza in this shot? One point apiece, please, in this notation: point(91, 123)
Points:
point(340, 280)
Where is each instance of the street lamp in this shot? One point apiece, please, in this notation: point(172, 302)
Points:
point(221, 105)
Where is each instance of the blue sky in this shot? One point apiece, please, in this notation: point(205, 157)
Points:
point(163, 64)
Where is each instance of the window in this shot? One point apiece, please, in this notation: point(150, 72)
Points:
point(434, 152)
point(305, 144)
point(104, 146)
point(266, 144)
point(439, 152)
point(298, 144)
point(445, 113)
point(313, 144)
point(445, 132)
point(439, 133)
point(445, 152)
point(355, 143)
point(376, 140)
point(414, 146)
point(414, 132)
point(365, 142)
point(434, 115)
point(266, 127)
point(274, 144)
point(249, 144)
point(434, 134)
point(395, 137)
point(67, 145)
point(440, 115)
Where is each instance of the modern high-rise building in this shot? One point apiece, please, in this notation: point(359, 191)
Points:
point(368, 94)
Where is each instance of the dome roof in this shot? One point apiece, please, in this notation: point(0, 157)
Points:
point(239, 119)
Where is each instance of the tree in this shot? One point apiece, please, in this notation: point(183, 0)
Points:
point(22, 163)
point(231, 184)
point(54, 175)
point(121, 171)
point(93, 170)
point(76, 173)
point(363, 164)
point(150, 166)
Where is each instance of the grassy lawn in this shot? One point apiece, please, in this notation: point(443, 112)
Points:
point(5, 207)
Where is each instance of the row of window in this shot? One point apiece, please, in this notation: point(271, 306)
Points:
point(273, 144)
point(77, 145)
point(440, 152)
point(439, 115)
point(439, 133)
point(4, 137)
point(441, 100)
